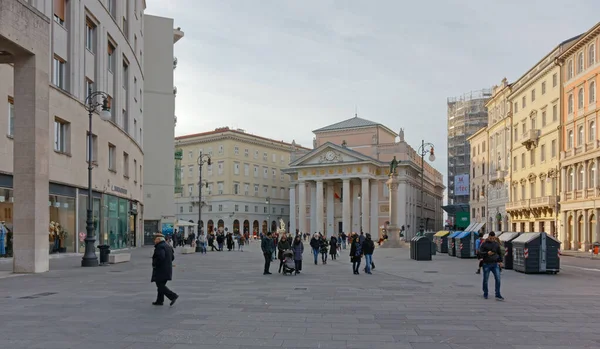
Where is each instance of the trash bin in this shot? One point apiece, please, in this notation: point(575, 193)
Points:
point(422, 249)
point(595, 249)
point(440, 240)
point(451, 246)
point(506, 241)
point(413, 247)
point(535, 253)
point(430, 235)
point(465, 244)
point(104, 252)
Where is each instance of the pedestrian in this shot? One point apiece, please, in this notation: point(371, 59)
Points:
point(298, 248)
point(478, 243)
point(241, 243)
point(333, 244)
point(162, 270)
point(275, 243)
point(314, 244)
point(211, 242)
point(323, 247)
point(344, 237)
point(368, 247)
point(230, 243)
point(266, 245)
point(282, 246)
point(492, 261)
point(202, 242)
point(220, 240)
point(355, 252)
point(361, 238)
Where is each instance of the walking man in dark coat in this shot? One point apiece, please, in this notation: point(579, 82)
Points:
point(266, 245)
point(162, 270)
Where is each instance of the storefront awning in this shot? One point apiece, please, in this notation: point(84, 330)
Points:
point(453, 209)
point(181, 223)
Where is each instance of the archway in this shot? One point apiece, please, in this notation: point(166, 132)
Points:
point(264, 227)
point(220, 225)
point(210, 225)
point(273, 226)
point(246, 227)
point(569, 233)
point(255, 228)
point(591, 228)
point(236, 226)
point(580, 232)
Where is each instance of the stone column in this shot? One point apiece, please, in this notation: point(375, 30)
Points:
point(302, 206)
point(563, 228)
point(585, 179)
point(563, 183)
point(355, 207)
point(393, 229)
point(331, 230)
point(597, 232)
point(364, 186)
point(374, 209)
point(319, 208)
point(586, 229)
point(575, 244)
point(293, 224)
point(313, 208)
point(346, 206)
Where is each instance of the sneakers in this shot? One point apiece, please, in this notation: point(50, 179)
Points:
point(500, 299)
point(485, 296)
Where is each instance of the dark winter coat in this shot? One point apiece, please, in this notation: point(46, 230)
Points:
point(162, 262)
point(368, 247)
point(282, 246)
point(298, 249)
point(314, 243)
point(266, 245)
point(333, 245)
point(323, 245)
point(490, 246)
point(355, 250)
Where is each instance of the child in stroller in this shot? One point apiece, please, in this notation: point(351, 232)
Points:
point(289, 266)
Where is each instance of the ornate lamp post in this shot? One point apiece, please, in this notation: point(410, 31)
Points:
point(202, 159)
point(361, 213)
point(268, 202)
point(91, 105)
point(424, 149)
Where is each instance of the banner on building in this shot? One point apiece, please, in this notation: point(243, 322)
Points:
point(461, 185)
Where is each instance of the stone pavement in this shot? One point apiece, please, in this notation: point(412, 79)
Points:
point(226, 302)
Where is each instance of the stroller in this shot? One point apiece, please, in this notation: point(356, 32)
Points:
point(289, 266)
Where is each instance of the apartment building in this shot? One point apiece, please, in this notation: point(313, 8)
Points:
point(536, 115)
point(499, 142)
point(479, 176)
point(91, 46)
point(243, 188)
point(580, 151)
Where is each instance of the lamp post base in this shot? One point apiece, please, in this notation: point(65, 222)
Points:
point(393, 240)
point(89, 262)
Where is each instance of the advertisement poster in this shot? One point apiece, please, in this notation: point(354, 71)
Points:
point(461, 185)
point(167, 229)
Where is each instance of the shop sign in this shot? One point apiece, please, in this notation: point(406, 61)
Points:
point(119, 190)
point(134, 208)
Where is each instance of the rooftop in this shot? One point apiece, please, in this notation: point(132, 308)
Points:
point(221, 130)
point(354, 122)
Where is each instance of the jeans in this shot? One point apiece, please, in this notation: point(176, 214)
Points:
point(495, 269)
point(344, 244)
point(368, 261)
point(267, 262)
point(356, 264)
point(324, 257)
point(203, 247)
point(162, 291)
point(316, 254)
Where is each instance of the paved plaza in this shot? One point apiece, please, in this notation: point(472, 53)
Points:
point(226, 302)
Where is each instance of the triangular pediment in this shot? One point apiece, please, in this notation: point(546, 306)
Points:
point(330, 153)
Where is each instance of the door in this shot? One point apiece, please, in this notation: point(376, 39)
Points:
point(340, 227)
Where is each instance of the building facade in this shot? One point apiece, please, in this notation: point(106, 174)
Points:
point(499, 142)
point(536, 101)
point(580, 150)
point(159, 106)
point(479, 176)
point(466, 115)
point(339, 186)
point(92, 45)
point(243, 188)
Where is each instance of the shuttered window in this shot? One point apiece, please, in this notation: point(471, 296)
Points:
point(59, 10)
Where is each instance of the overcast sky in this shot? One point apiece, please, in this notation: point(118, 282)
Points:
point(281, 69)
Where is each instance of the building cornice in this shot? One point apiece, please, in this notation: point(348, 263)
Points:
point(582, 41)
point(248, 139)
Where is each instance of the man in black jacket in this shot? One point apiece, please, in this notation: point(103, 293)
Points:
point(162, 270)
point(266, 245)
point(489, 252)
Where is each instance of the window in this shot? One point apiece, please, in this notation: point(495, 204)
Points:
point(111, 57)
point(273, 192)
point(553, 150)
point(246, 152)
point(532, 190)
point(570, 104)
point(190, 189)
point(533, 123)
point(523, 160)
point(543, 153)
point(125, 165)
point(591, 55)
point(516, 133)
point(220, 166)
point(191, 171)
point(236, 150)
point(125, 121)
point(135, 172)
point(580, 135)
point(592, 93)
point(256, 190)
point(125, 26)
point(570, 139)
point(516, 107)
point(236, 188)
point(246, 170)
point(112, 157)
point(543, 88)
point(282, 193)
point(580, 175)
point(190, 154)
point(591, 183)
point(180, 209)
point(255, 171)
point(89, 87)
point(210, 208)
point(209, 170)
point(532, 157)
point(220, 188)
point(59, 11)
point(90, 35)
point(265, 172)
point(592, 132)
point(523, 102)
point(265, 156)
point(112, 8)
point(210, 152)
point(256, 154)
point(543, 118)
point(282, 159)
point(94, 148)
point(266, 190)
point(58, 72)
point(221, 149)
point(11, 117)
point(135, 89)
point(220, 208)
point(246, 189)
point(265, 209)
point(255, 209)
point(533, 95)
point(125, 73)
point(274, 173)
point(515, 164)
point(542, 188)
point(209, 189)
point(571, 180)
point(580, 65)
point(554, 113)
point(236, 208)
point(570, 71)
point(245, 208)
point(236, 168)
point(554, 80)
point(281, 176)
point(580, 99)
point(61, 135)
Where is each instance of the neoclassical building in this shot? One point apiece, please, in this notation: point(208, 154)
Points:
point(580, 151)
point(340, 184)
point(479, 176)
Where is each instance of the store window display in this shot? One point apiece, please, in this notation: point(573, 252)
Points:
point(62, 224)
point(82, 213)
point(116, 230)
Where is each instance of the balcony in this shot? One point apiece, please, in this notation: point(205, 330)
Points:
point(517, 205)
point(544, 201)
point(497, 175)
point(530, 138)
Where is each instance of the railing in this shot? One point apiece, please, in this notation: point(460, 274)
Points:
point(578, 150)
point(569, 153)
point(548, 201)
point(578, 194)
point(590, 192)
point(569, 195)
point(515, 205)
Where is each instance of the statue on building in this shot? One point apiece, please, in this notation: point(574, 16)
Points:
point(315, 143)
point(344, 143)
point(401, 135)
point(393, 166)
point(281, 226)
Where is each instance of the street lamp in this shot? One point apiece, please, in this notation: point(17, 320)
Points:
point(360, 208)
point(202, 158)
point(91, 105)
point(268, 202)
point(424, 149)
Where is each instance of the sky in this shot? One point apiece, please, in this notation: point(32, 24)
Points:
point(281, 69)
